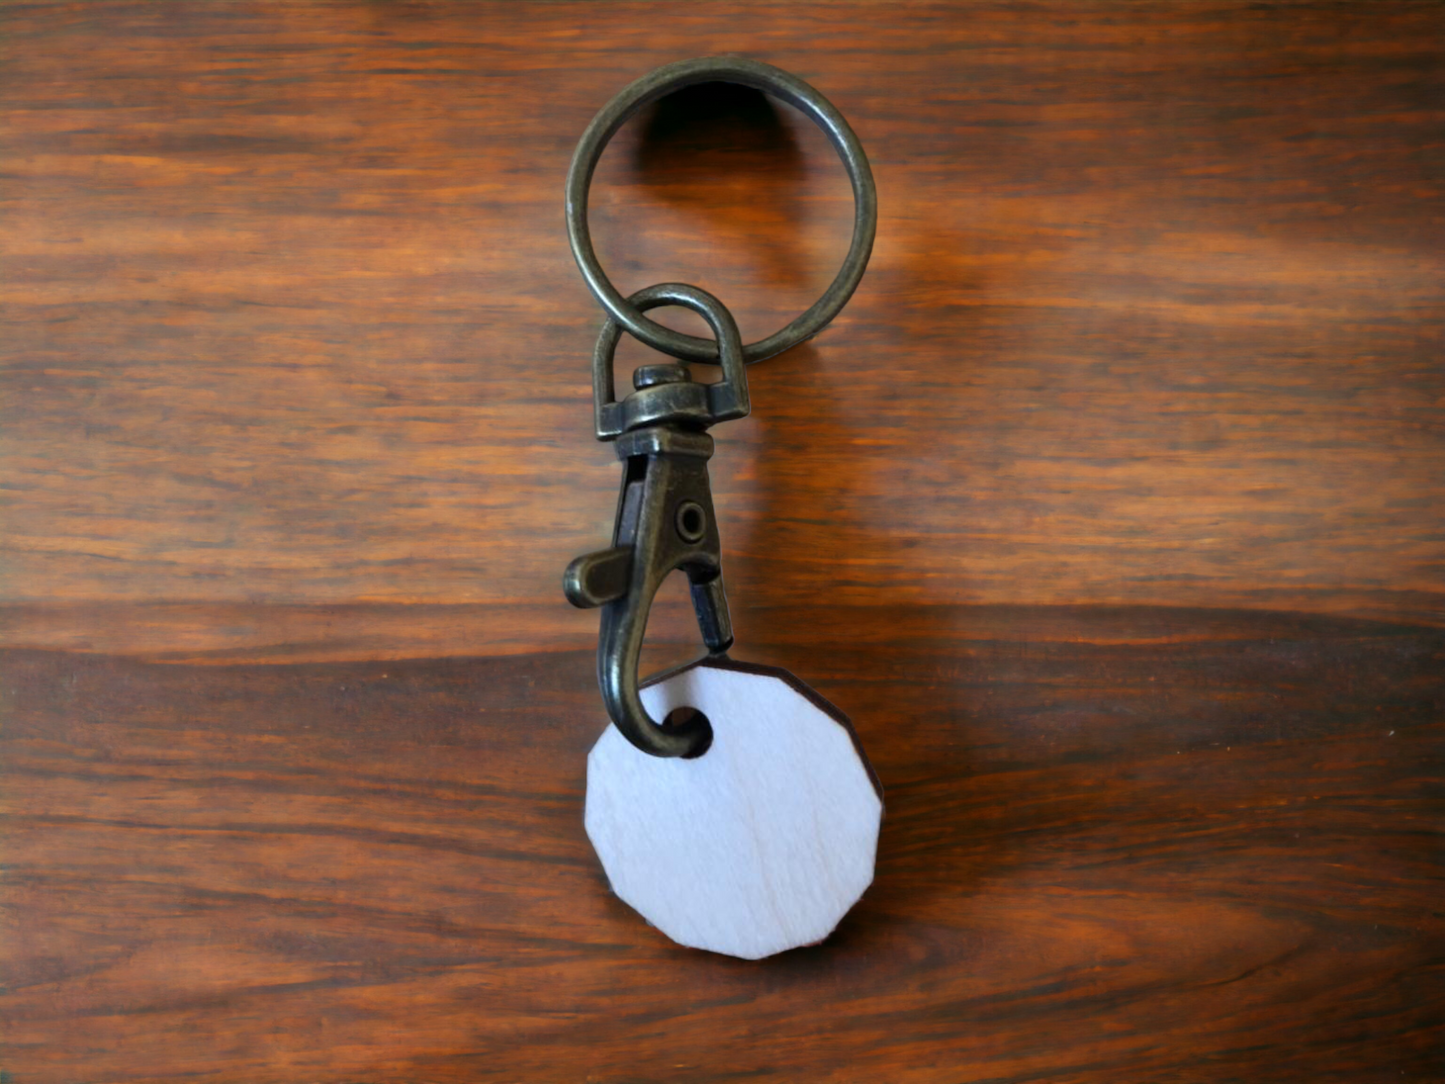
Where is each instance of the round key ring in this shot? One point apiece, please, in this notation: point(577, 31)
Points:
point(759, 76)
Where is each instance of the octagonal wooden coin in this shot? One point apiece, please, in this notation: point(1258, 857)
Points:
point(761, 844)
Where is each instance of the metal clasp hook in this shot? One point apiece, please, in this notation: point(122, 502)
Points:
point(665, 519)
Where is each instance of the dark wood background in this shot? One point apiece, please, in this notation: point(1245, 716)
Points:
point(1110, 509)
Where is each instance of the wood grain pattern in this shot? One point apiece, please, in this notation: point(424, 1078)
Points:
point(1155, 314)
point(1110, 511)
point(1120, 845)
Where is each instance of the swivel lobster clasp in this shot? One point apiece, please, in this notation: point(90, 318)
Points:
point(665, 520)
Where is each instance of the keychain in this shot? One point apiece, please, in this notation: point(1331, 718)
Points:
point(751, 825)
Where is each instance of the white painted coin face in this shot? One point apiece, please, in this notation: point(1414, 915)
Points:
point(761, 844)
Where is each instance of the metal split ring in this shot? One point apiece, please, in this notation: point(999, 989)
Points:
point(787, 88)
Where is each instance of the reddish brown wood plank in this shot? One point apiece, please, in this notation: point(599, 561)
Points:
point(292, 356)
point(1155, 314)
point(1120, 845)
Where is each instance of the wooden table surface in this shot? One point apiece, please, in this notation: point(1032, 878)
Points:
point(1112, 510)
